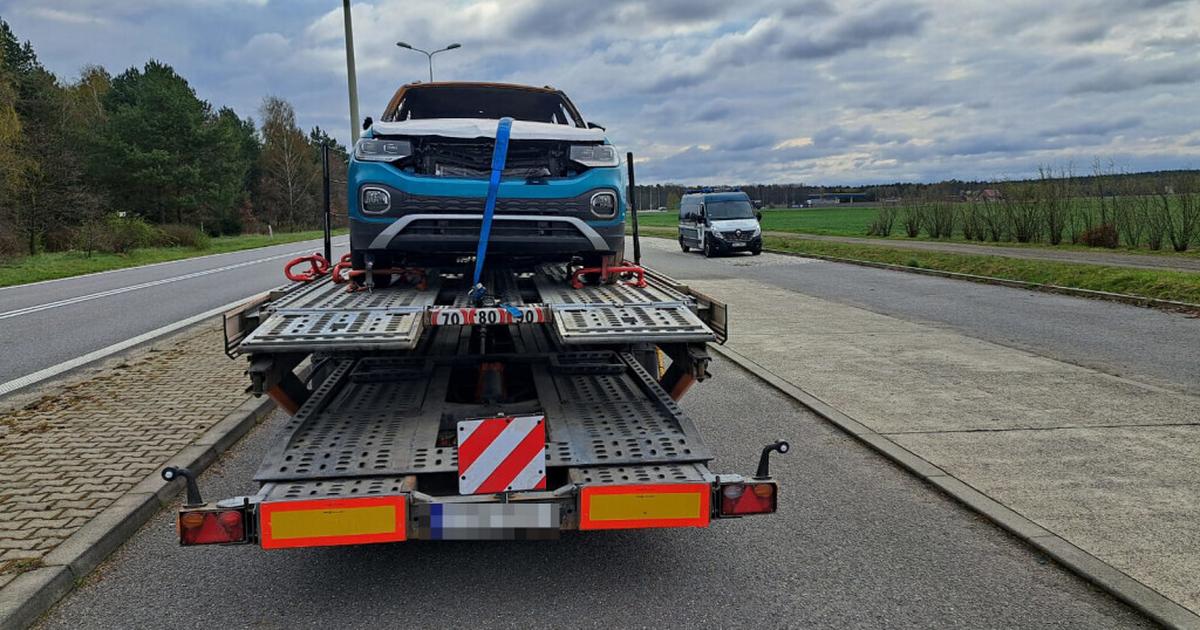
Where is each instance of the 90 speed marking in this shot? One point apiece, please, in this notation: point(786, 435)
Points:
point(487, 316)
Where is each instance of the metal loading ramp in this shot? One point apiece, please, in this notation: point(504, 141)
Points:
point(618, 312)
point(389, 417)
point(324, 316)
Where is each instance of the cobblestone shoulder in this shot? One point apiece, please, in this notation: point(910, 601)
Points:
point(70, 450)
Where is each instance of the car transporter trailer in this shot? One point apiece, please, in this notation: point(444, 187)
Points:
point(417, 416)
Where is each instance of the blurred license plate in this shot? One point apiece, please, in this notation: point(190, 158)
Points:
point(739, 244)
point(487, 521)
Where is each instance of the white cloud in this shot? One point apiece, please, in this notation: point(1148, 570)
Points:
point(708, 90)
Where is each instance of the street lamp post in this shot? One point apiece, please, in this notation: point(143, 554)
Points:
point(351, 78)
point(428, 54)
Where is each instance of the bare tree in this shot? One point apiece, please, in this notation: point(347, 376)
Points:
point(289, 186)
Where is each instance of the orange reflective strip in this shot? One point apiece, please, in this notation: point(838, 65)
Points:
point(337, 518)
point(627, 517)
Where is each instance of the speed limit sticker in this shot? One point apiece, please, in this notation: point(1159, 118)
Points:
point(487, 316)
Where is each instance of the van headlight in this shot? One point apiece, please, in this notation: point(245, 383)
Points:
point(376, 201)
point(375, 150)
point(594, 154)
point(604, 205)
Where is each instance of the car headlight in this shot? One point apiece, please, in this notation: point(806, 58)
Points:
point(594, 154)
point(375, 150)
point(376, 201)
point(604, 205)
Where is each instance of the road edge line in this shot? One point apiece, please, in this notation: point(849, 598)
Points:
point(148, 265)
point(1137, 595)
point(34, 378)
point(31, 594)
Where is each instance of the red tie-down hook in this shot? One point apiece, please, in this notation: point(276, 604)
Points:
point(317, 267)
point(340, 269)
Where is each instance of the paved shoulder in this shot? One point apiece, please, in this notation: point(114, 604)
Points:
point(1106, 462)
point(1113, 259)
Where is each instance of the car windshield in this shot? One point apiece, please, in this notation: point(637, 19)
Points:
point(729, 209)
point(485, 102)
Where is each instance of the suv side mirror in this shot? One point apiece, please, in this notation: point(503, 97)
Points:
point(367, 122)
point(592, 125)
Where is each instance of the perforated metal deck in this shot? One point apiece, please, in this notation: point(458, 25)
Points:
point(389, 417)
point(324, 316)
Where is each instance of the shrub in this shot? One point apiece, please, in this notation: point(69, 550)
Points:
point(884, 221)
point(1104, 235)
point(1182, 219)
point(184, 236)
point(1055, 198)
point(129, 233)
point(1022, 214)
point(61, 239)
point(93, 235)
point(11, 245)
point(940, 219)
point(991, 214)
point(913, 219)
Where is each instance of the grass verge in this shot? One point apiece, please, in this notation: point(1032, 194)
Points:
point(1162, 285)
point(51, 266)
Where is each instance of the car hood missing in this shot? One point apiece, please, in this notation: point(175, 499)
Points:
point(485, 128)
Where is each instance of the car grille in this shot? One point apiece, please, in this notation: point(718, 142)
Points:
point(405, 203)
point(733, 235)
point(469, 229)
point(525, 158)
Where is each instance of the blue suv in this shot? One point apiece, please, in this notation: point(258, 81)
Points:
point(418, 179)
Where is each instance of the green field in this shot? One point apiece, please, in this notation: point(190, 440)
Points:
point(840, 221)
point(56, 265)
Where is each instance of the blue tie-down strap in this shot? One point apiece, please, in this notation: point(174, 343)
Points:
point(499, 154)
point(512, 310)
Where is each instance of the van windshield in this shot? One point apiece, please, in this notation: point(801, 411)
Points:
point(729, 209)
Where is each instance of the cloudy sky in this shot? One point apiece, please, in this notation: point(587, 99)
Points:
point(746, 91)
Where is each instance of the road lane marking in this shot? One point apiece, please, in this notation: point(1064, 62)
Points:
point(335, 243)
point(41, 375)
point(144, 285)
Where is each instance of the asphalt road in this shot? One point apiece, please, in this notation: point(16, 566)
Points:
point(44, 324)
point(1151, 346)
point(857, 543)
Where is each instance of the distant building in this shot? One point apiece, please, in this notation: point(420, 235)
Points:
point(832, 199)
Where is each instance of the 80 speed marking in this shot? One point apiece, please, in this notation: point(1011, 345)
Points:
point(487, 316)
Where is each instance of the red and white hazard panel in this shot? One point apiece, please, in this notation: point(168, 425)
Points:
point(502, 454)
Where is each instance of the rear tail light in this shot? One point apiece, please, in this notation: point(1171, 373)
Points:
point(738, 499)
point(211, 527)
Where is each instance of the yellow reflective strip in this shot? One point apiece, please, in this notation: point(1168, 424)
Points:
point(353, 521)
point(649, 505)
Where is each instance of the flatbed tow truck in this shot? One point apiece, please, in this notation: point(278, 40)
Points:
point(391, 390)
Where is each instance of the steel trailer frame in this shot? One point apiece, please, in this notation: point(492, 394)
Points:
point(370, 453)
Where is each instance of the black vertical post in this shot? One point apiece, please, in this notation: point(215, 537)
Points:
point(637, 243)
point(328, 218)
